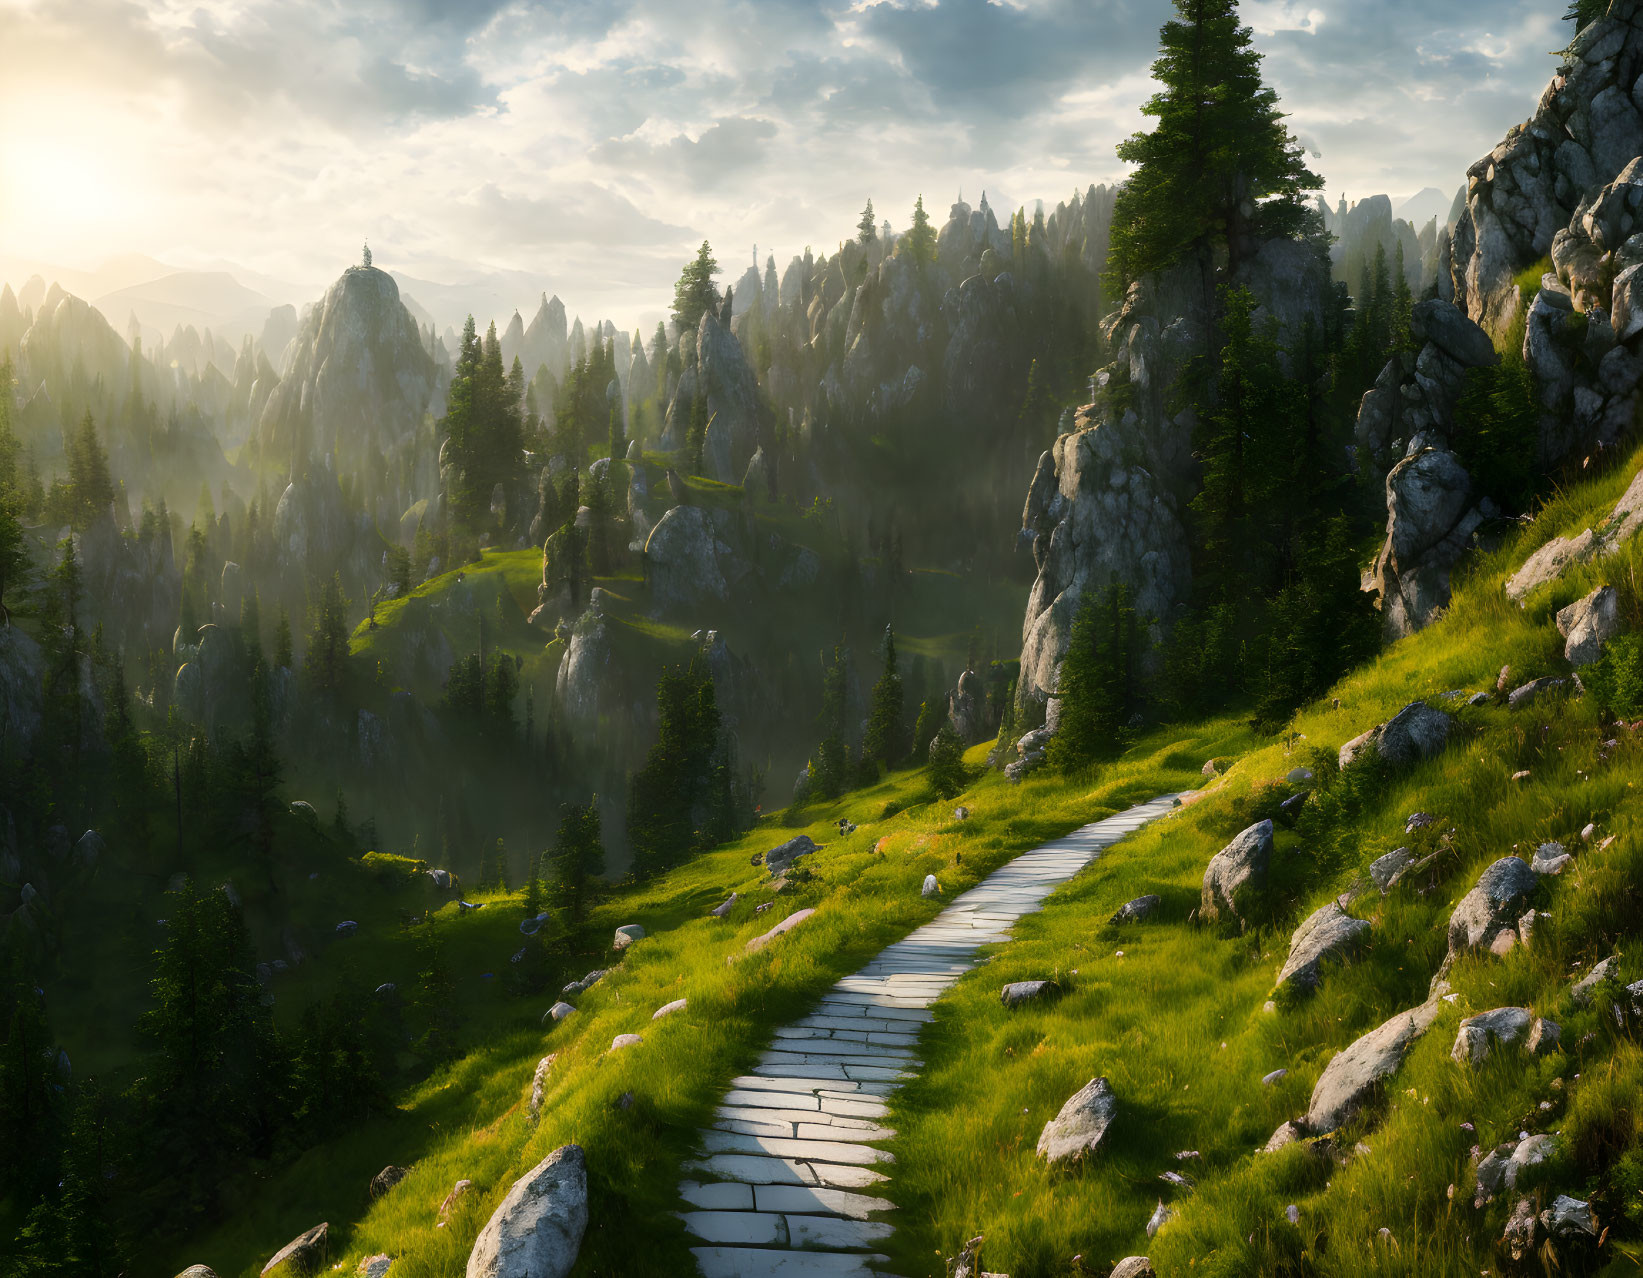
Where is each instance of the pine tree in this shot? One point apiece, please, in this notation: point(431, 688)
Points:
point(694, 294)
point(326, 662)
point(867, 228)
point(1219, 166)
point(885, 741)
point(920, 240)
point(948, 776)
point(929, 716)
point(90, 486)
point(666, 795)
point(14, 556)
point(282, 641)
point(1097, 683)
point(578, 857)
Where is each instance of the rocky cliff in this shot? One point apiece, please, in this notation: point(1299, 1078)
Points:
point(1107, 502)
point(357, 389)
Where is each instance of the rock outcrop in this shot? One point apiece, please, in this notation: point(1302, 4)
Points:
point(1588, 624)
point(1077, 1131)
point(1354, 1075)
point(537, 1230)
point(1236, 870)
point(1328, 935)
point(1585, 131)
point(1432, 513)
point(356, 389)
point(1487, 916)
point(1107, 503)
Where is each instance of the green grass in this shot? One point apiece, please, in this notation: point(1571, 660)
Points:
point(469, 1120)
point(1177, 1014)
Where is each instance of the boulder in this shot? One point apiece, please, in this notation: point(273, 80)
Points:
point(1544, 1037)
point(780, 859)
point(1604, 973)
point(1078, 1130)
point(385, 1180)
point(1329, 934)
point(307, 1253)
point(1522, 1233)
point(683, 555)
point(586, 983)
point(1570, 1220)
point(1355, 1074)
point(1137, 910)
point(375, 1266)
point(1588, 624)
point(626, 935)
point(1480, 1034)
point(1240, 867)
point(667, 1009)
point(539, 1086)
point(786, 925)
point(625, 1040)
point(1133, 1267)
point(1431, 515)
point(1527, 694)
point(1018, 992)
point(1386, 870)
point(722, 910)
point(537, 1230)
point(930, 887)
point(1550, 858)
point(558, 1012)
point(1492, 907)
point(198, 1271)
point(1416, 732)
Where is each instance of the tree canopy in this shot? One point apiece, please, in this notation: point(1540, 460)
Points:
point(1220, 165)
point(694, 294)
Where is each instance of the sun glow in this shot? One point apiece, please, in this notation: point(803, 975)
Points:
point(53, 188)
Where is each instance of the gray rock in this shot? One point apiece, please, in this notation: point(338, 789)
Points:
point(375, 1266)
point(1386, 870)
point(1588, 624)
point(722, 910)
point(1550, 858)
point(931, 887)
point(626, 935)
point(1159, 1218)
point(1286, 1134)
point(1019, 992)
point(625, 1040)
point(781, 859)
point(1354, 1075)
point(1133, 1267)
point(1239, 867)
point(588, 681)
point(307, 1253)
point(667, 1009)
point(1416, 732)
point(385, 1180)
point(539, 1085)
point(1548, 563)
point(558, 1012)
point(1603, 973)
point(1431, 514)
point(1569, 1219)
point(198, 1271)
point(1480, 1034)
point(1329, 934)
point(684, 557)
point(1529, 693)
point(1276, 1076)
point(1137, 910)
point(1492, 907)
point(537, 1230)
point(1078, 1130)
point(586, 983)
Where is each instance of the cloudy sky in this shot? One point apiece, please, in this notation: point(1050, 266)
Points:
point(590, 144)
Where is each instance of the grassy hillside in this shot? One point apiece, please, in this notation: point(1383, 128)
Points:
point(469, 1121)
point(1182, 1017)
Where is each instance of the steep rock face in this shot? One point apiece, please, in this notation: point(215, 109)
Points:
point(358, 384)
point(586, 679)
point(132, 585)
point(1430, 520)
point(732, 393)
point(1416, 395)
point(1107, 502)
point(1586, 129)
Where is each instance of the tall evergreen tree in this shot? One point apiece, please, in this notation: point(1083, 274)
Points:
point(694, 294)
point(1219, 166)
point(920, 240)
point(1098, 684)
point(885, 741)
point(867, 229)
point(665, 797)
point(578, 858)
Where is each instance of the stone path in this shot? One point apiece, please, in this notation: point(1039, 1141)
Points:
point(786, 1185)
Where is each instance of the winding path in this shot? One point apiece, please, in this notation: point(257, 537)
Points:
point(785, 1186)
